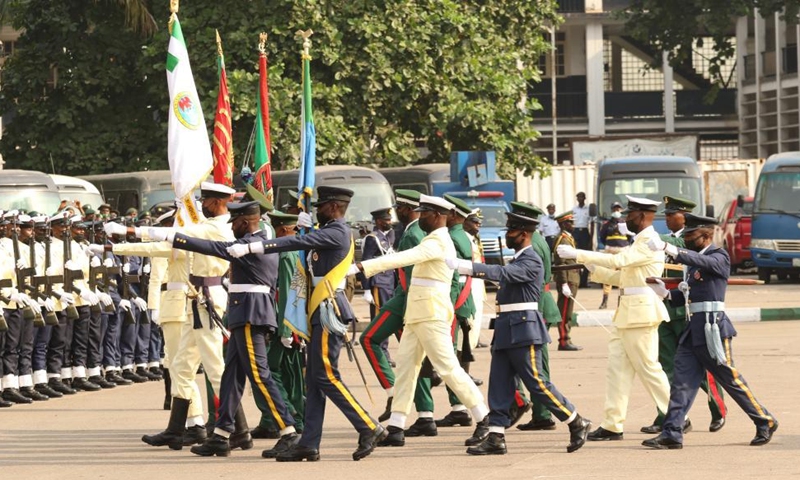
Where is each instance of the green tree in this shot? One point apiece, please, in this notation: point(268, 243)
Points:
point(389, 77)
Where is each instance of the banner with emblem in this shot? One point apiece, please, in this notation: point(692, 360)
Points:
point(189, 148)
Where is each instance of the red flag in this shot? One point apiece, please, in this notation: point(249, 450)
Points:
point(223, 139)
point(263, 176)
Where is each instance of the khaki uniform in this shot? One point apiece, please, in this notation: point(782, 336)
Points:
point(633, 347)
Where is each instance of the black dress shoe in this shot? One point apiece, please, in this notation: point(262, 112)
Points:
point(395, 438)
point(602, 434)
point(98, 380)
point(516, 413)
point(45, 389)
point(423, 427)
point(493, 444)
point(662, 443)
point(716, 425)
point(81, 384)
point(481, 345)
point(129, 374)
point(214, 445)
point(764, 436)
point(117, 379)
point(570, 347)
point(34, 395)
point(151, 377)
point(5, 404)
point(477, 381)
point(687, 426)
point(157, 371)
point(387, 412)
point(285, 443)
point(546, 424)
point(479, 434)
point(265, 432)
point(196, 435)
point(368, 441)
point(13, 395)
point(455, 418)
point(436, 379)
point(241, 440)
point(298, 453)
point(61, 387)
point(173, 440)
point(651, 429)
point(578, 431)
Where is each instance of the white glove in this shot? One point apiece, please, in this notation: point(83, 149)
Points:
point(71, 265)
point(566, 290)
point(623, 229)
point(114, 228)
point(671, 250)
point(47, 304)
point(368, 297)
point(160, 234)
point(108, 263)
point(96, 249)
point(286, 342)
point(154, 316)
point(95, 262)
point(105, 299)
point(21, 264)
point(66, 297)
point(567, 252)
point(464, 267)
point(353, 270)
point(19, 298)
point(126, 268)
point(125, 305)
point(304, 220)
point(659, 288)
point(226, 282)
point(89, 296)
point(140, 303)
point(52, 270)
point(451, 263)
point(238, 250)
point(683, 287)
point(33, 303)
point(656, 244)
point(146, 269)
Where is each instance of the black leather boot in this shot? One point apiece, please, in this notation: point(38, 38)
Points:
point(578, 431)
point(493, 444)
point(173, 435)
point(298, 453)
point(195, 435)
point(241, 437)
point(455, 419)
point(423, 427)
point(265, 432)
point(479, 434)
point(167, 389)
point(368, 441)
point(284, 444)
point(395, 438)
point(214, 445)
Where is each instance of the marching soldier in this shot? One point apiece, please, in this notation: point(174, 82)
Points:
point(669, 332)
point(519, 334)
point(632, 348)
point(331, 253)
point(614, 241)
point(567, 282)
point(705, 343)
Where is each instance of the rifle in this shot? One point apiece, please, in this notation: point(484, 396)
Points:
point(47, 281)
point(49, 317)
point(28, 313)
point(5, 283)
point(562, 268)
point(70, 275)
point(673, 282)
point(126, 294)
point(144, 279)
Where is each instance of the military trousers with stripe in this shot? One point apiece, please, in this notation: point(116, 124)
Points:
point(691, 364)
point(246, 358)
point(527, 364)
point(323, 381)
point(286, 366)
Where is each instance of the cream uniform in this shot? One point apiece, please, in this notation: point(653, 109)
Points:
point(428, 317)
point(633, 347)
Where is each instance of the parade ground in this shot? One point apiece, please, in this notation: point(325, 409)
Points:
point(98, 435)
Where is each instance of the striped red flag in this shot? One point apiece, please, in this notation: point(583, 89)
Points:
point(223, 133)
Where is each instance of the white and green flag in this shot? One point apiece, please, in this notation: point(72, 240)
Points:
point(190, 159)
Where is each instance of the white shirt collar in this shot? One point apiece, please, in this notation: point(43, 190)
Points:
point(678, 234)
point(516, 255)
point(703, 251)
point(647, 232)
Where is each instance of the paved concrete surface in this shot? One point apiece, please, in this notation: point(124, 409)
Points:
point(97, 435)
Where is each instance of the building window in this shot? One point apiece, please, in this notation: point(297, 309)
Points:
point(545, 62)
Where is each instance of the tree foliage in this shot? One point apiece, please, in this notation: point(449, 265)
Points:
point(389, 77)
point(673, 26)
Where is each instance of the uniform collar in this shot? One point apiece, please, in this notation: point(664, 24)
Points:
point(678, 234)
point(412, 222)
point(516, 255)
point(646, 232)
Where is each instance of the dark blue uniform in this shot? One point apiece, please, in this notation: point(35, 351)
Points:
point(252, 322)
point(519, 337)
point(707, 277)
point(329, 245)
point(381, 285)
point(133, 345)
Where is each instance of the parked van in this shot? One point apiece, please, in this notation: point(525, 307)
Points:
point(28, 190)
point(72, 189)
point(417, 177)
point(140, 190)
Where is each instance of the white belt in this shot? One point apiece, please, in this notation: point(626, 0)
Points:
point(462, 279)
point(248, 288)
point(316, 280)
point(176, 286)
point(517, 307)
point(427, 282)
point(637, 291)
point(697, 307)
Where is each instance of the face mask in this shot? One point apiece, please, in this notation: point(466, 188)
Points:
point(693, 244)
point(632, 226)
point(79, 237)
point(207, 213)
point(616, 215)
point(513, 242)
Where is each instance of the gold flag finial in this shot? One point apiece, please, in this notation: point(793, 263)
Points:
point(219, 43)
point(306, 36)
point(262, 43)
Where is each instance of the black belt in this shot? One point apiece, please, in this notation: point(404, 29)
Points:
point(205, 281)
point(581, 228)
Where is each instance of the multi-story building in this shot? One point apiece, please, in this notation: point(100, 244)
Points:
point(609, 84)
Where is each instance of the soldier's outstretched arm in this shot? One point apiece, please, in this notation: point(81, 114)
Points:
point(214, 248)
point(518, 272)
point(717, 262)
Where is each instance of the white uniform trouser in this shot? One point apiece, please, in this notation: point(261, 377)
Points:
point(632, 351)
point(195, 346)
point(432, 339)
point(172, 338)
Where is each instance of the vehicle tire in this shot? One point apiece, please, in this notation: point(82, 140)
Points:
point(782, 276)
point(764, 274)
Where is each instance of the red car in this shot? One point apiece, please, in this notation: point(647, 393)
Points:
point(733, 232)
